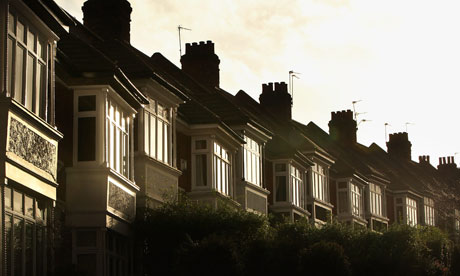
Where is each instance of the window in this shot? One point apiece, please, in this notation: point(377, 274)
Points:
point(289, 185)
point(157, 132)
point(221, 169)
point(252, 160)
point(356, 198)
point(86, 137)
point(376, 199)
point(320, 185)
point(25, 233)
point(411, 211)
point(118, 138)
point(297, 188)
point(29, 62)
point(429, 211)
point(350, 198)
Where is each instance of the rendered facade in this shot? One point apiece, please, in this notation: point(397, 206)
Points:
point(93, 131)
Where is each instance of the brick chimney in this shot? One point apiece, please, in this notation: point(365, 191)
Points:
point(108, 18)
point(201, 63)
point(424, 159)
point(276, 100)
point(342, 127)
point(447, 166)
point(399, 146)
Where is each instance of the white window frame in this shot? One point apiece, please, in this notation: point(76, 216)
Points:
point(353, 194)
point(157, 144)
point(376, 199)
point(429, 214)
point(320, 182)
point(118, 127)
point(218, 159)
point(35, 88)
point(296, 188)
point(410, 215)
point(252, 161)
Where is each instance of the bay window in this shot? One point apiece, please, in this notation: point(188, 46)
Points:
point(211, 162)
point(376, 207)
point(157, 131)
point(30, 56)
point(289, 185)
point(429, 211)
point(406, 210)
point(118, 138)
point(350, 198)
point(252, 160)
point(320, 184)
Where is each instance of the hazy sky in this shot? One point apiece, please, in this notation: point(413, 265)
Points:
point(401, 58)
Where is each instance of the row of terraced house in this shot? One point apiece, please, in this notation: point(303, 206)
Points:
point(92, 129)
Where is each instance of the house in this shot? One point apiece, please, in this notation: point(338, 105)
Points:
point(134, 131)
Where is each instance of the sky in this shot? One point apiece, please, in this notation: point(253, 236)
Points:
point(399, 59)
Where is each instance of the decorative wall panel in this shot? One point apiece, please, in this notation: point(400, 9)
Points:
point(121, 200)
point(32, 147)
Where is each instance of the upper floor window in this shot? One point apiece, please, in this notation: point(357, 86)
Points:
point(376, 207)
point(411, 211)
point(289, 185)
point(118, 138)
point(320, 185)
point(29, 62)
point(429, 211)
point(406, 210)
point(221, 169)
point(350, 199)
point(252, 160)
point(157, 131)
point(211, 166)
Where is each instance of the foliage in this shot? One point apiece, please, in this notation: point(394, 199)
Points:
point(193, 239)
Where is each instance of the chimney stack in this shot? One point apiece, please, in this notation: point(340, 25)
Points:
point(399, 146)
point(277, 100)
point(342, 127)
point(201, 63)
point(424, 159)
point(448, 168)
point(110, 19)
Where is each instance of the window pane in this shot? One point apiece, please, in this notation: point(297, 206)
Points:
point(7, 197)
point(40, 90)
point(17, 245)
point(17, 197)
point(87, 139)
point(200, 170)
point(41, 49)
point(31, 41)
point(87, 103)
point(19, 74)
point(30, 81)
point(21, 31)
point(153, 134)
point(200, 144)
point(10, 65)
point(160, 141)
point(40, 250)
point(11, 25)
point(146, 133)
point(166, 143)
point(8, 233)
point(281, 190)
point(29, 206)
point(29, 250)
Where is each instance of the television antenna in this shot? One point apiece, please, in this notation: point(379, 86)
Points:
point(408, 123)
point(354, 109)
point(363, 121)
point(179, 28)
point(292, 75)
